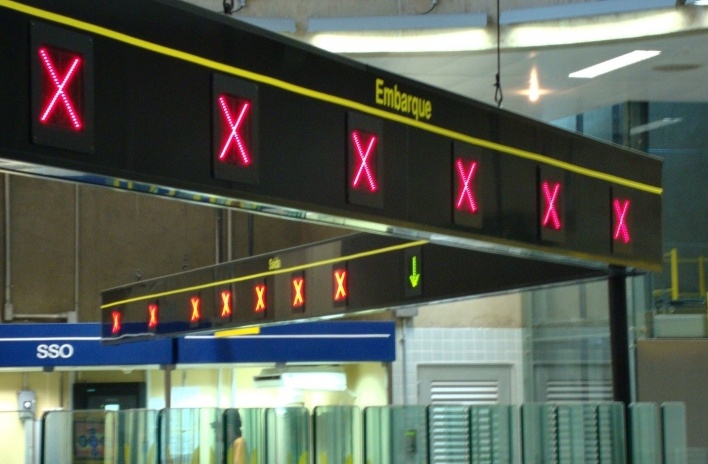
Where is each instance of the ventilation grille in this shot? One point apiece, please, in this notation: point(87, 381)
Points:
point(578, 391)
point(464, 392)
point(449, 418)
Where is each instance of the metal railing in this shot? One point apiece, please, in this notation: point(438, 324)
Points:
point(684, 278)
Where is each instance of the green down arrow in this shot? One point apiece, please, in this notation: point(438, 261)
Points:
point(415, 276)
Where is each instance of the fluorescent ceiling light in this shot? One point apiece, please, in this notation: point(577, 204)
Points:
point(403, 42)
point(400, 22)
point(654, 125)
point(303, 378)
point(615, 63)
point(399, 34)
point(580, 10)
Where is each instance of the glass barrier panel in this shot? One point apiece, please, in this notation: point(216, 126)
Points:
point(17, 437)
point(584, 432)
point(395, 435)
point(245, 436)
point(611, 433)
point(673, 422)
point(190, 436)
point(88, 437)
point(539, 432)
point(337, 435)
point(493, 431)
point(645, 433)
point(377, 435)
point(449, 433)
point(137, 436)
point(288, 435)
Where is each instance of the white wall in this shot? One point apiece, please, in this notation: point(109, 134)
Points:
point(484, 331)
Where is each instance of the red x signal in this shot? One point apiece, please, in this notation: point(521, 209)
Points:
point(260, 298)
point(551, 195)
point(226, 305)
point(365, 151)
point(466, 200)
point(340, 281)
point(115, 317)
point(298, 292)
point(621, 208)
point(196, 304)
point(60, 85)
point(153, 315)
point(235, 141)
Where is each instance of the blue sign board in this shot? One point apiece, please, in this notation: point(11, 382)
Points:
point(74, 345)
point(315, 342)
point(79, 345)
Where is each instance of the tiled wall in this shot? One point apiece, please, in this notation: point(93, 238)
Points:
point(456, 346)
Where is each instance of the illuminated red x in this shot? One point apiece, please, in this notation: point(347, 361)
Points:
point(115, 316)
point(466, 198)
point(298, 292)
point(226, 304)
point(621, 230)
point(196, 303)
point(340, 277)
point(235, 140)
point(60, 84)
point(551, 194)
point(260, 298)
point(364, 155)
point(154, 315)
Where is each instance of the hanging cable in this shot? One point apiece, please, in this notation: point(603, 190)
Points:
point(498, 93)
point(229, 6)
point(434, 4)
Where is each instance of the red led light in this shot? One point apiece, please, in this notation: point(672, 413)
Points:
point(115, 317)
point(153, 315)
point(196, 304)
point(226, 305)
point(260, 298)
point(234, 146)
point(551, 195)
point(340, 281)
point(365, 151)
point(59, 100)
point(298, 292)
point(466, 200)
point(621, 232)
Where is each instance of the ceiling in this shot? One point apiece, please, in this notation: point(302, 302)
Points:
point(550, 41)
point(680, 73)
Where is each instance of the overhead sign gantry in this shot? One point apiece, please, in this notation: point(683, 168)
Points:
point(167, 98)
point(351, 275)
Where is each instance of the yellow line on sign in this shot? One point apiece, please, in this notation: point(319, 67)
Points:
point(260, 275)
point(238, 332)
point(317, 95)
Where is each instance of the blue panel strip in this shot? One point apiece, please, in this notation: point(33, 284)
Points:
point(305, 342)
point(74, 345)
point(79, 345)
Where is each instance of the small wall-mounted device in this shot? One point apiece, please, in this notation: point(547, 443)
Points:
point(26, 403)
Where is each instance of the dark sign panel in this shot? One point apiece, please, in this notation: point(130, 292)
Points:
point(62, 87)
point(235, 122)
point(354, 274)
point(235, 116)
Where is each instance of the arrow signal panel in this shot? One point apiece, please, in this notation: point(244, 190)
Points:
point(413, 272)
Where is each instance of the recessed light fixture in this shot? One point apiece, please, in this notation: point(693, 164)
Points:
point(615, 63)
point(654, 125)
point(534, 91)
